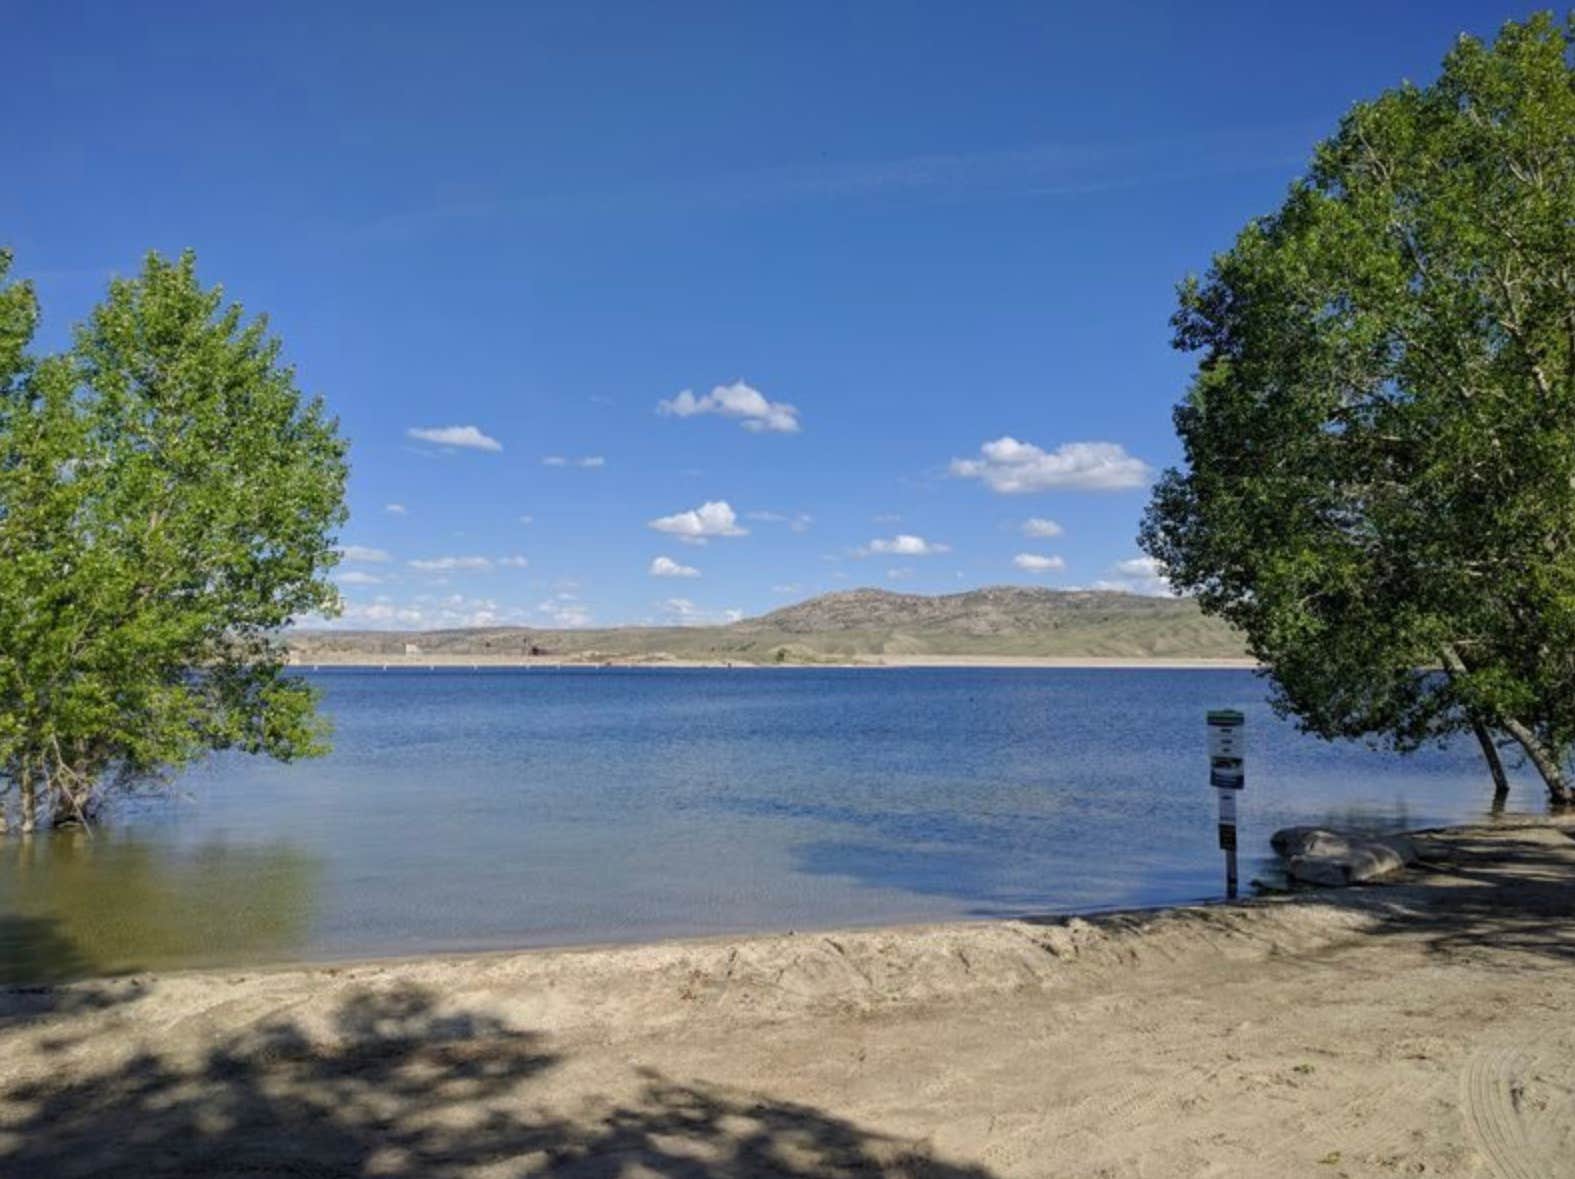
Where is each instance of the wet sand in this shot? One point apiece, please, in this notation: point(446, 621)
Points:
point(1422, 1027)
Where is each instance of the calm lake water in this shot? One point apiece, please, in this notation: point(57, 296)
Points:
point(469, 810)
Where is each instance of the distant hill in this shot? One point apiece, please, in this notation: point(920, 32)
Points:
point(861, 623)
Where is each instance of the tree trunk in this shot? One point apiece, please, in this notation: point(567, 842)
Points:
point(1546, 760)
point(1495, 764)
point(27, 787)
point(1547, 763)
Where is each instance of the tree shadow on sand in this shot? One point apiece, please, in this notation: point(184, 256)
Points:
point(394, 1089)
point(1500, 902)
point(1485, 896)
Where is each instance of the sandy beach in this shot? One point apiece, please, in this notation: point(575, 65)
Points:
point(1425, 1027)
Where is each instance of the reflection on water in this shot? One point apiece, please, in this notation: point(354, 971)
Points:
point(498, 809)
point(73, 905)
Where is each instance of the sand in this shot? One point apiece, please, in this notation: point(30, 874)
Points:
point(1421, 1028)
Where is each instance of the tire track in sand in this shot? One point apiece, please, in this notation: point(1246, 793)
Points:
point(1518, 1111)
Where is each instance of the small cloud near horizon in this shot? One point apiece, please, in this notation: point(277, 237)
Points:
point(1138, 575)
point(685, 613)
point(1038, 563)
point(903, 545)
point(667, 567)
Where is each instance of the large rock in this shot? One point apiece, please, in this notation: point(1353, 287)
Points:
point(1317, 855)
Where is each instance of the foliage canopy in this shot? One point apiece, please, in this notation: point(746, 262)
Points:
point(1380, 437)
point(167, 506)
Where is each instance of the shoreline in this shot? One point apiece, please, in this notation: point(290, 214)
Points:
point(1421, 1026)
point(640, 944)
point(437, 661)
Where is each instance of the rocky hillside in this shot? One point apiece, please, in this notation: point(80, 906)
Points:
point(1000, 620)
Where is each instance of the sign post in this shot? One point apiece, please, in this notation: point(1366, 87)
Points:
point(1227, 774)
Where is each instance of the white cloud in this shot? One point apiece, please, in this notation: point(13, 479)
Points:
point(527, 519)
point(1037, 563)
point(1138, 575)
point(394, 509)
point(886, 518)
point(554, 460)
point(898, 574)
point(1011, 467)
point(565, 611)
point(746, 405)
point(683, 612)
point(697, 525)
point(1038, 526)
point(513, 562)
point(360, 552)
point(667, 567)
point(447, 564)
point(790, 588)
point(356, 577)
point(378, 615)
point(589, 461)
point(464, 437)
point(424, 612)
point(904, 545)
point(1138, 567)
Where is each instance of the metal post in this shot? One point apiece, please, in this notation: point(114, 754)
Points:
point(1227, 774)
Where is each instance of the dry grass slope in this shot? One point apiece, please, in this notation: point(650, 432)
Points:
point(861, 623)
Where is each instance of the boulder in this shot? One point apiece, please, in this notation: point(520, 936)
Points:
point(1317, 855)
point(1302, 841)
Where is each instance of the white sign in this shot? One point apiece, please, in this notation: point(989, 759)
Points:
point(1227, 805)
point(1227, 772)
point(1227, 742)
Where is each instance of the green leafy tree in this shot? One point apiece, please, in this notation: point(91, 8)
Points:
point(167, 506)
point(1380, 437)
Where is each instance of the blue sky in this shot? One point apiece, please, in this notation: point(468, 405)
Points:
point(912, 263)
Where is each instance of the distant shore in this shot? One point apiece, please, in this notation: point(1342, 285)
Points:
point(363, 660)
point(1423, 1027)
